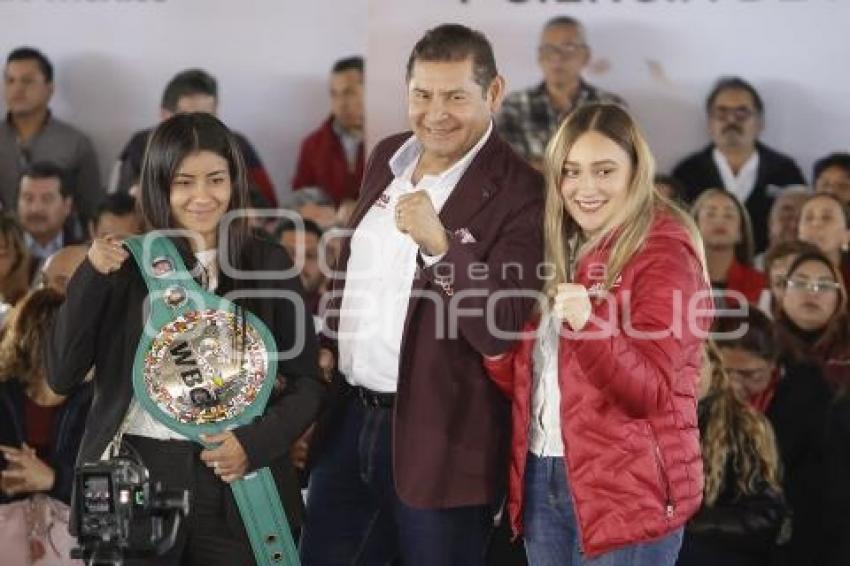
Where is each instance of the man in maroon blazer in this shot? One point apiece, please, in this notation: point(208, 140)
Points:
point(440, 265)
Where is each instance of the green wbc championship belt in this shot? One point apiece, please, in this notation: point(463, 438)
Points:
point(204, 366)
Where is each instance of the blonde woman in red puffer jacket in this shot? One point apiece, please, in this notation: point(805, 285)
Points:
point(606, 465)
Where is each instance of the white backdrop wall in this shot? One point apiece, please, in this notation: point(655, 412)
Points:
point(114, 57)
point(662, 56)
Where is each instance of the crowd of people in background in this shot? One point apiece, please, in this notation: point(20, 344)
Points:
point(774, 401)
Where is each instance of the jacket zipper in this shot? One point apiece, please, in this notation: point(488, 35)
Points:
point(669, 504)
point(566, 459)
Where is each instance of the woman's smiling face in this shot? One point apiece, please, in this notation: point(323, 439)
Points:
point(200, 194)
point(596, 177)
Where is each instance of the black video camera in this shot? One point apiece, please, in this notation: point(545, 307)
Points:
point(119, 514)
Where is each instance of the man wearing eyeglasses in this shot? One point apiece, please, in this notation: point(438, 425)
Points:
point(736, 159)
point(530, 117)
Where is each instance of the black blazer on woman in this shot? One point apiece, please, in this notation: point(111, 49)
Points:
point(100, 325)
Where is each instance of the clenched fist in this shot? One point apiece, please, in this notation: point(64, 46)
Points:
point(107, 254)
point(572, 304)
point(416, 216)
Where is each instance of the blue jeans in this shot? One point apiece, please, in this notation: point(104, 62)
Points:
point(551, 526)
point(354, 516)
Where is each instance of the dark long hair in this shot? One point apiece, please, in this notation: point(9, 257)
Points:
point(169, 144)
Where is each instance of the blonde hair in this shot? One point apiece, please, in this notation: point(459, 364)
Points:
point(745, 248)
point(734, 432)
point(564, 243)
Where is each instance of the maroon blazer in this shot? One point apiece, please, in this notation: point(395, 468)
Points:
point(451, 425)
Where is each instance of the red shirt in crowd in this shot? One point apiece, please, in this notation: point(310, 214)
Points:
point(38, 423)
point(322, 163)
point(746, 280)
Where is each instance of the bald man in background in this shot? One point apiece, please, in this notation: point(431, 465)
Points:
point(60, 267)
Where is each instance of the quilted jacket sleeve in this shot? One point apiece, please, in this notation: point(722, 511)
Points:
point(501, 371)
point(635, 349)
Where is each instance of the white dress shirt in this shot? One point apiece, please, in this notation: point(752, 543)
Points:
point(544, 431)
point(742, 184)
point(139, 421)
point(350, 144)
point(380, 273)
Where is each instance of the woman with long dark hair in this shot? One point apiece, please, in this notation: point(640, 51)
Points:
point(606, 464)
point(777, 259)
point(813, 320)
point(193, 176)
point(727, 233)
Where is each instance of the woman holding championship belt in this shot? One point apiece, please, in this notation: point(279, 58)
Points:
point(193, 174)
point(606, 465)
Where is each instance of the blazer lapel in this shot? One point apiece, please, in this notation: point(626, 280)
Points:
point(368, 198)
point(474, 189)
point(472, 192)
point(763, 172)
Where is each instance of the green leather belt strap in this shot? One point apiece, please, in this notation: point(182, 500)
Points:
point(174, 294)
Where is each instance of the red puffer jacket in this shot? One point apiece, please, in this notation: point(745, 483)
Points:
point(628, 401)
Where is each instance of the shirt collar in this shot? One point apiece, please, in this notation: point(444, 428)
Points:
point(748, 168)
point(342, 133)
point(45, 251)
point(583, 92)
point(405, 158)
point(207, 256)
point(47, 119)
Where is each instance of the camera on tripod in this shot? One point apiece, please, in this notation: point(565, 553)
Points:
point(120, 514)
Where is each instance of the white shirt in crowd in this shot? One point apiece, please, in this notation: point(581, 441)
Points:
point(380, 273)
point(350, 144)
point(740, 185)
point(545, 428)
point(138, 421)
